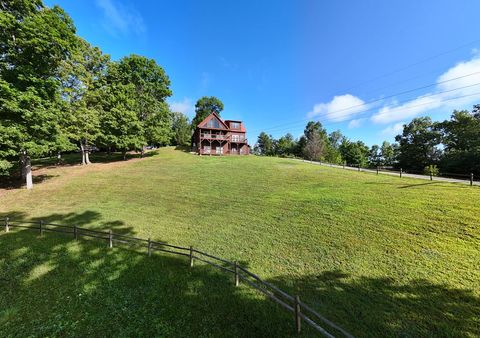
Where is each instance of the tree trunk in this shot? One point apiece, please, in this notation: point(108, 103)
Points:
point(82, 148)
point(87, 156)
point(142, 153)
point(124, 153)
point(59, 158)
point(27, 170)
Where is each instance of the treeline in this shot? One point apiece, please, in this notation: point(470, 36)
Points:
point(58, 93)
point(451, 146)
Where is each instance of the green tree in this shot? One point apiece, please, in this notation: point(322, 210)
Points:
point(461, 139)
point(375, 156)
point(204, 107)
point(34, 40)
point(265, 145)
point(354, 153)
point(389, 153)
point(285, 145)
point(418, 144)
point(151, 86)
point(81, 77)
point(182, 130)
point(316, 144)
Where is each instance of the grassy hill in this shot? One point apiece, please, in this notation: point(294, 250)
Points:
point(378, 255)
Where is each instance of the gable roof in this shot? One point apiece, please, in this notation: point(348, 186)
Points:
point(211, 116)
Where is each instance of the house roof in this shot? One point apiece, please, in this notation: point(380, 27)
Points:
point(212, 115)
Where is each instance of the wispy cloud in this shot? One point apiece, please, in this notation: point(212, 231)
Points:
point(184, 106)
point(120, 18)
point(393, 130)
point(461, 80)
point(356, 123)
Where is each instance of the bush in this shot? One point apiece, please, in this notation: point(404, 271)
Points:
point(431, 170)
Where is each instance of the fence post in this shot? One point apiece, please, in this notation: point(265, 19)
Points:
point(191, 256)
point(237, 279)
point(298, 319)
point(110, 238)
point(401, 171)
point(149, 247)
point(471, 181)
point(41, 228)
point(75, 232)
point(7, 227)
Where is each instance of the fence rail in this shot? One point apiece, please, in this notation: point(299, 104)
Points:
point(442, 177)
point(300, 310)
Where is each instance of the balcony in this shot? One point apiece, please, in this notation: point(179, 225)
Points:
point(214, 136)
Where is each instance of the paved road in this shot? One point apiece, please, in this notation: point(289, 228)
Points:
point(393, 173)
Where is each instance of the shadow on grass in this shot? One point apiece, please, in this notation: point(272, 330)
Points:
point(380, 307)
point(16, 182)
point(54, 286)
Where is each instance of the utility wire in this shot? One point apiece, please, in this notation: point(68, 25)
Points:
point(378, 100)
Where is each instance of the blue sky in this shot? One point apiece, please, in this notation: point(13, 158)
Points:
point(277, 64)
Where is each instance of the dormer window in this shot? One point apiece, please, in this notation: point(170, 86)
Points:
point(235, 125)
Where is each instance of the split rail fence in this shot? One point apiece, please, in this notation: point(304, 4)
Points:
point(301, 311)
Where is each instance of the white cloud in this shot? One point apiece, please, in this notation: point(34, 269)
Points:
point(119, 18)
point(393, 130)
point(341, 108)
point(355, 123)
point(185, 106)
point(464, 75)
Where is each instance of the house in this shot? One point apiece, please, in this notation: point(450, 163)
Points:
point(214, 136)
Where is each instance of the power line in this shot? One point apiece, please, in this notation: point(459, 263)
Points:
point(378, 100)
point(408, 108)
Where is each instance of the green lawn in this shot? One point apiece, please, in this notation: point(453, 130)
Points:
point(378, 255)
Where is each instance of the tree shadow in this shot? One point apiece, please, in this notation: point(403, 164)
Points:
point(53, 286)
point(381, 307)
point(16, 182)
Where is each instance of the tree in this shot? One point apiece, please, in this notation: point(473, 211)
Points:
point(388, 153)
point(418, 144)
point(151, 87)
point(204, 107)
point(81, 76)
point(461, 139)
point(315, 147)
point(182, 130)
point(285, 145)
point(354, 153)
point(375, 156)
point(265, 145)
point(34, 40)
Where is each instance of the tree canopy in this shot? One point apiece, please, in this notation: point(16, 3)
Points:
point(204, 107)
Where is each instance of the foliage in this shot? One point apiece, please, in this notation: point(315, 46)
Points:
point(182, 130)
point(265, 145)
point(418, 144)
point(285, 145)
point(431, 170)
point(204, 107)
point(354, 153)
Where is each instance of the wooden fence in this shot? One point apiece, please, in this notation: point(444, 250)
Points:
point(301, 311)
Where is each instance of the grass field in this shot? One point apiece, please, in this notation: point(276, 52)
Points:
point(378, 255)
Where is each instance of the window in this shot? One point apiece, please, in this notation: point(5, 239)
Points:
point(206, 149)
point(235, 138)
point(219, 150)
point(213, 123)
point(235, 125)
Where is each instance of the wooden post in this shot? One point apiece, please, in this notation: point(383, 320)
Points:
point(110, 238)
point(41, 228)
point(298, 319)
point(75, 232)
point(471, 181)
point(401, 171)
point(377, 170)
point(149, 247)
point(191, 256)
point(7, 226)
point(237, 278)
